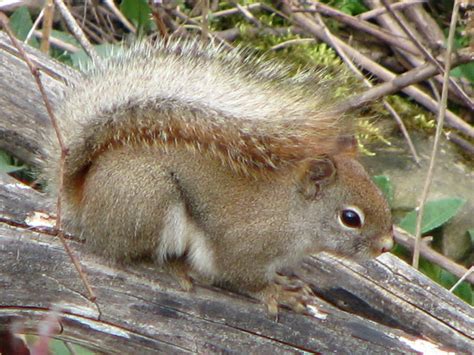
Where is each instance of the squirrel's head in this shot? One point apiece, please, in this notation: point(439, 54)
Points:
point(344, 211)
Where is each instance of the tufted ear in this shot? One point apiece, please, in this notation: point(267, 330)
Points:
point(347, 145)
point(314, 175)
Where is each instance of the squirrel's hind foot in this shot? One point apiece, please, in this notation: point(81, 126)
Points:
point(180, 270)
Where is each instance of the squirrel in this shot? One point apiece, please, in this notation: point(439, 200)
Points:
point(221, 166)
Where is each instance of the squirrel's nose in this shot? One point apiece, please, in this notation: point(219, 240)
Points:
point(386, 243)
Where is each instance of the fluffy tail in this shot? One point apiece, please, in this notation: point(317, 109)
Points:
point(255, 115)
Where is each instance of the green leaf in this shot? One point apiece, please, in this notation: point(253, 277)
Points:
point(386, 186)
point(21, 24)
point(431, 270)
point(138, 12)
point(447, 280)
point(435, 215)
point(7, 165)
point(353, 7)
point(464, 70)
point(401, 252)
point(350, 7)
point(56, 346)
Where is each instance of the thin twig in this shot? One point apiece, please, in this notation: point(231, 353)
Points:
point(247, 14)
point(96, 32)
point(426, 26)
point(157, 16)
point(76, 30)
point(105, 25)
point(205, 19)
point(439, 130)
point(434, 88)
point(292, 42)
point(92, 33)
point(111, 5)
point(309, 26)
point(58, 43)
point(36, 74)
point(380, 11)
point(408, 241)
point(383, 35)
point(196, 25)
point(405, 58)
point(427, 54)
point(231, 11)
point(361, 76)
point(468, 272)
point(413, 76)
point(461, 142)
point(34, 27)
point(403, 129)
point(47, 25)
point(273, 10)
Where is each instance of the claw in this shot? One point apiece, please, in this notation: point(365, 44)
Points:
point(292, 294)
point(272, 307)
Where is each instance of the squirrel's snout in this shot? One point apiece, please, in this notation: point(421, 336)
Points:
point(386, 243)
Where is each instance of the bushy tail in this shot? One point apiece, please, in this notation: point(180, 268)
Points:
point(254, 115)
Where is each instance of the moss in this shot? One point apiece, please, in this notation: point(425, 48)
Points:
point(413, 115)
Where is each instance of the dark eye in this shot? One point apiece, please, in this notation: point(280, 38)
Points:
point(351, 217)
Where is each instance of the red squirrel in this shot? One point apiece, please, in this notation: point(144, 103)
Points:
point(225, 167)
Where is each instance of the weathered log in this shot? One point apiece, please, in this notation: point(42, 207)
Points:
point(21, 106)
point(142, 308)
point(379, 307)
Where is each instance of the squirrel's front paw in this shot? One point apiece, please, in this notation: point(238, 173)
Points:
point(286, 292)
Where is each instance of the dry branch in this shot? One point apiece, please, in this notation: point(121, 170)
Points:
point(395, 6)
point(410, 77)
point(398, 26)
point(428, 56)
point(310, 26)
point(75, 29)
point(385, 36)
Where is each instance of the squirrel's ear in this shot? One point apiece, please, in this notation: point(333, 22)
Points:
point(347, 145)
point(314, 174)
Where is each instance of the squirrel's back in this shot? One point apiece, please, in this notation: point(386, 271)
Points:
point(253, 114)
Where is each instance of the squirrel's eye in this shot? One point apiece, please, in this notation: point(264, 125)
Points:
point(351, 217)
